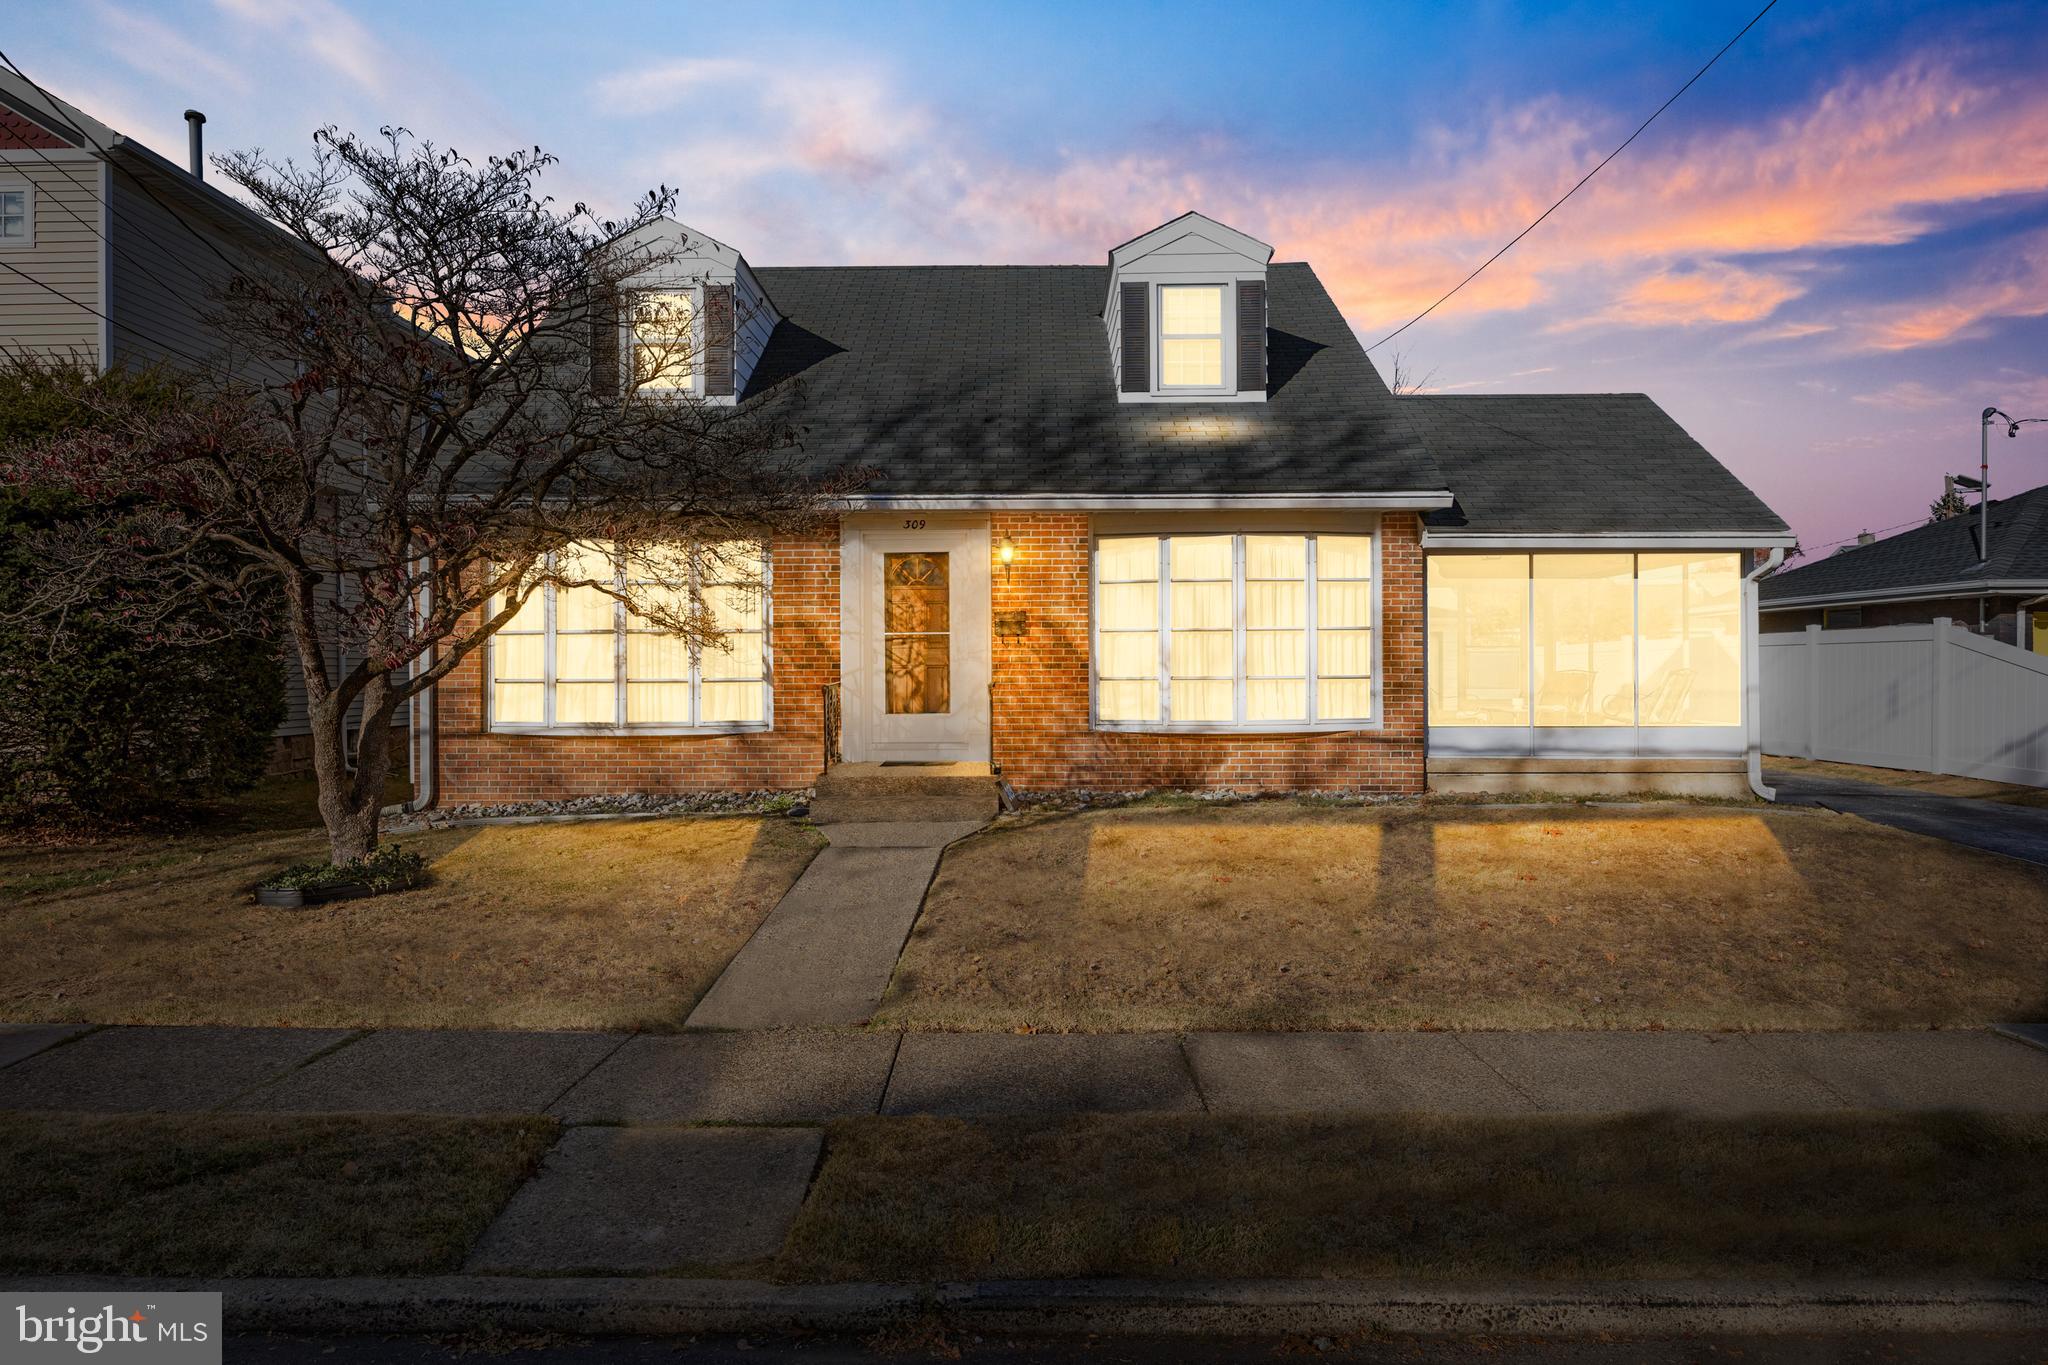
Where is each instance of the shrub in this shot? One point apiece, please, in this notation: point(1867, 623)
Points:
point(96, 719)
point(390, 868)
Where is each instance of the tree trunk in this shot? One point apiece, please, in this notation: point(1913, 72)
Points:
point(351, 828)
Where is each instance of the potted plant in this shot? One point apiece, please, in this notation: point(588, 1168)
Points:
point(390, 868)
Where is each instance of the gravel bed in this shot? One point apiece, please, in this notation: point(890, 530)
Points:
point(790, 802)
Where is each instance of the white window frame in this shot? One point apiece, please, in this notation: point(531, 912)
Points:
point(628, 340)
point(1226, 370)
point(1237, 528)
point(620, 725)
point(27, 190)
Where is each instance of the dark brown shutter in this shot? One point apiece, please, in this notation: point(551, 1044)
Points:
point(1251, 336)
point(1134, 319)
point(717, 340)
point(604, 341)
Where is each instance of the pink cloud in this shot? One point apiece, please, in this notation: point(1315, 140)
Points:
point(2012, 285)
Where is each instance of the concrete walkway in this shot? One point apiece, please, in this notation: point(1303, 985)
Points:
point(809, 1076)
point(824, 954)
point(2016, 831)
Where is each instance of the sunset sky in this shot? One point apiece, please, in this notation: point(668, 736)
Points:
point(1824, 260)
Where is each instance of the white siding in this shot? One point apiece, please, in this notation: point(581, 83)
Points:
point(65, 257)
point(166, 278)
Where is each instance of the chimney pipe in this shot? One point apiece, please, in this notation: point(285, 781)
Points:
point(195, 144)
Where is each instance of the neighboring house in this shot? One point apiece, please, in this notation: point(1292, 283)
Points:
point(1928, 572)
point(112, 256)
point(1151, 523)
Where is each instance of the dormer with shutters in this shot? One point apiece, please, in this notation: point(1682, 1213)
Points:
point(1186, 314)
point(690, 318)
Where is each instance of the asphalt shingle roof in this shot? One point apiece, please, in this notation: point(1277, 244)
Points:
point(1584, 463)
point(1940, 552)
point(996, 380)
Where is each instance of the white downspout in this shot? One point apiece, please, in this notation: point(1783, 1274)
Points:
point(420, 753)
point(1752, 675)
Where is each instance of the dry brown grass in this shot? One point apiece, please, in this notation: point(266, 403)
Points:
point(210, 1195)
point(605, 924)
point(1294, 915)
point(1933, 784)
point(1629, 1198)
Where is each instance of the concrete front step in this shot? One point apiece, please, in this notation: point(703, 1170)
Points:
point(921, 792)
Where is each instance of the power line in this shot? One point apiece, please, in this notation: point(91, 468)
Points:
point(110, 321)
point(1581, 183)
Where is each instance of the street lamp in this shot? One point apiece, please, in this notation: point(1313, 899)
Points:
point(2012, 428)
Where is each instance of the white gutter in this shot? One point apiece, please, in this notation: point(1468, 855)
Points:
point(1919, 593)
point(1137, 502)
point(1752, 675)
point(1438, 539)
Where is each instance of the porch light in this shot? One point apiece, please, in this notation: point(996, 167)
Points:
point(1006, 554)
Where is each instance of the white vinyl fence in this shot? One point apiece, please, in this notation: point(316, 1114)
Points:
point(1931, 698)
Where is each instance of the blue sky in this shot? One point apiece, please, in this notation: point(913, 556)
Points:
point(1824, 260)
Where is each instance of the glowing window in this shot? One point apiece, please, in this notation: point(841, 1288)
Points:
point(662, 345)
point(1191, 336)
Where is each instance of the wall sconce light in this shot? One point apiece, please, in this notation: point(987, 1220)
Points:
point(1006, 554)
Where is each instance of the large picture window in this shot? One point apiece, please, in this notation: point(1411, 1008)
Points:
point(1585, 640)
point(576, 659)
point(1222, 631)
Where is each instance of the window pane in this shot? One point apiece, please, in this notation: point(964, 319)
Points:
point(1271, 701)
point(1584, 634)
point(516, 704)
point(1689, 637)
point(734, 703)
point(1138, 701)
point(661, 340)
point(1478, 640)
point(739, 608)
point(1126, 558)
point(1343, 606)
point(915, 596)
point(1128, 606)
point(658, 703)
point(1276, 557)
point(1275, 606)
point(917, 675)
point(674, 601)
point(517, 656)
point(583, 609)
point(1201, 606)
point(586, 656)
point(657, 658)
point(1200, 653)
point(1190, 364)
point(1202, 702)
point(586, 704)
point(1191, 308)
point(1129, 654)
point(1344, 700)
point(1343, 653)
point(1199, 557)
point(1343, 557)
point(1275, 653)
point(531, 616)
point(741, 658)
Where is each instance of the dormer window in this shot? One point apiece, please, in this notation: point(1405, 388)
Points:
point(662, 341)
point(1191, 336)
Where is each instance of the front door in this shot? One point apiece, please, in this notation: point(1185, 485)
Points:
point(916, 645)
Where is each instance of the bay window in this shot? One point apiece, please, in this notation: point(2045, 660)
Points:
point(1234, 630)
point(578, 659)
point(1585, 640)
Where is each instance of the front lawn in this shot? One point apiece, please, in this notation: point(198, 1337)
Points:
point(604, 924)
point(1295, 914)
point(210, 1195)
point(1650, 1197)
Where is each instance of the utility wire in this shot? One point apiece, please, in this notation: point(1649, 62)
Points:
point(110, 321)
point(1582, 181)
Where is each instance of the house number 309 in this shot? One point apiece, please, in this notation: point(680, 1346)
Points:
point(913, 523)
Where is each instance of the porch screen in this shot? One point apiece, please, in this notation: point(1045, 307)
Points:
point(576, 658)
point(1585, 639)
point(1221, 630)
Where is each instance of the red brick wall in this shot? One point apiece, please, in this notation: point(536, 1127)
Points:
point(1040, 708)
point(476, 765)
point(18, 133)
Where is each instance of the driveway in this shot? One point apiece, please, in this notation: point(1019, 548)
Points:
point(2016, 831)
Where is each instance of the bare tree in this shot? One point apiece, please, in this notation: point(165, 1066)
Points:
point(1403, 380)
point(427, 404)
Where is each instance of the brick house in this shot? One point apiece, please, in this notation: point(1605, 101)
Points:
point(1152, 523)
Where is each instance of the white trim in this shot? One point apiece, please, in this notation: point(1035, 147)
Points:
point(866, 732)
point(1226, 360)
point(106, 215)
point(2002, 588)
point(1144, 502)
point(1605, 540)
point(23, 156)
point(27, 190)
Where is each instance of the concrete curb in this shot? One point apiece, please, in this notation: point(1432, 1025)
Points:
point(607, 1306)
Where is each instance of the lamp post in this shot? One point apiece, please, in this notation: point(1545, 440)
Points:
point(2012, 428)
